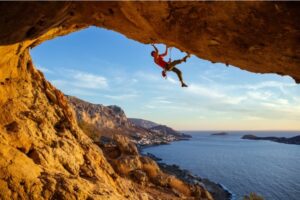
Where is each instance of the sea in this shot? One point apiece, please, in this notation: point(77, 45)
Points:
point(267, 168)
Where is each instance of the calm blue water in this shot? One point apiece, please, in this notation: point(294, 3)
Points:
point(243, 166)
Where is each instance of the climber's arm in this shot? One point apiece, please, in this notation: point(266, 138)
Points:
point(156, 50)
point(166, 52)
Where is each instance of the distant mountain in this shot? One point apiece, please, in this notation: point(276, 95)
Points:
point(291, 140)
point(97, 120)
point(167, 130)
point(103, 117)
point(143, 123)
point(155, 127)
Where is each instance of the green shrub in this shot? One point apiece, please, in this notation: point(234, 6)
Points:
point(90, 130)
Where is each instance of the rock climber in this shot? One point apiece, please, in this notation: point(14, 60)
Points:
point(168, 66)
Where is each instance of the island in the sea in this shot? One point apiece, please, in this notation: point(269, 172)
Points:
point(291, 140)
point(220, 134)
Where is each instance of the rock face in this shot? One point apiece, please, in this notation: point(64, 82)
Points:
point(125, 159)
point(261, 37)
point(216, 190)
point(102, 117)
point(291, 140)
point(43, 153)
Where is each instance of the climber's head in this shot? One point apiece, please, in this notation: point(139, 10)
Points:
point(153, 53)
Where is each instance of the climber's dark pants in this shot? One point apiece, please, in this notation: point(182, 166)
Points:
point(172, 64)
point(171, 67)
point(178, 72)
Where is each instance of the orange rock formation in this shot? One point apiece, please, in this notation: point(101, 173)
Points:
point(43, 153)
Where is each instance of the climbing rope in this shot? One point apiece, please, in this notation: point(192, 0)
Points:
point(170, 54)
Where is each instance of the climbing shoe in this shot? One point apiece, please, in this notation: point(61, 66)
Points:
point(186, 57)
point(183, 85)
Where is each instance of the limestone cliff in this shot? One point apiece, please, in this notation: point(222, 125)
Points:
point(102, 117)
point(43, 152)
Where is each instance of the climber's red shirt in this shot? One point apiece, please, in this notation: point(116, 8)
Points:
point(160, 61)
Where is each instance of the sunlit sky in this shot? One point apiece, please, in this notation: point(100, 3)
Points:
point(105, 67)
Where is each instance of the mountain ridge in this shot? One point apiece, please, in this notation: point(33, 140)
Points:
point(108, 121)
point(143, 122)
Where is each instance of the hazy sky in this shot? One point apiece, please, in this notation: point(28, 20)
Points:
point(104, 67)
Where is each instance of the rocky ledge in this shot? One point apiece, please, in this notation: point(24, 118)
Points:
point(217, 191)
point(291, 140)
point(124, 157)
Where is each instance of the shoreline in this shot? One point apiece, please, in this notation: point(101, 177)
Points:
point(217, 190)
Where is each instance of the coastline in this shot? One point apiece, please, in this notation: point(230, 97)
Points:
point(217, 190)
point(283, 140)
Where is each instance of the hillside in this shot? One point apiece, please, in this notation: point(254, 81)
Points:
point(99, 120)
point(143, 123)
point(167, 130)
point(158, 128)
